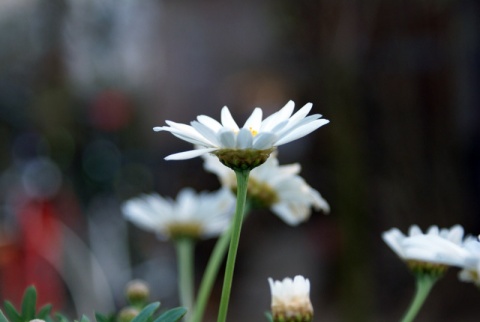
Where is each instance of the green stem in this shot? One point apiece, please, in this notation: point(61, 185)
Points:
point(185, 257)
point(210, 275)
point(211, 272)
point(424, 283)
point(242, 183)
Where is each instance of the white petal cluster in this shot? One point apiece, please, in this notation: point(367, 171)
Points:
point(471, 266)
point(279, 128)
point(291, 299)
point(436, 246)
point(294, 197)
point(447, 247)
point(199, 215)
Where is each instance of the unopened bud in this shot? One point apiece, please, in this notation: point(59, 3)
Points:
point(137, 292)
point(291, 300)
point(127, 314)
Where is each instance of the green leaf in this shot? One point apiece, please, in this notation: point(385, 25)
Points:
point(84, 319)
point(172, 315)
point(147, 312)
point(2, 317)
point(12, 312)
point(61, 318)
point(102, 318)
point(269, 316)
point(44, 312)
point(29, 304)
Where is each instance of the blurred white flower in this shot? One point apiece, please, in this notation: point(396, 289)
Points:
point(274, 186)
point(277, 129)
point(291, 299)
point(434, 250)
point(471, 266)
point(192, 215)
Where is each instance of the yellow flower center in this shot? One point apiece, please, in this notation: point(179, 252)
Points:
point(187, 229)
point(261, 194)
point(427, 267)
point(254, 132)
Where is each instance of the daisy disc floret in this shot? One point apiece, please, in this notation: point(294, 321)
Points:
point(431, 252)
point(249, 146)
point(274, 186)
point(192, 215)
point(291, 300)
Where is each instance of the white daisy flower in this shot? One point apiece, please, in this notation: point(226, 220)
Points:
point(291, 299)
point(256, 135)
point(274, 186)
point(471, 266)
point(202, 215)
point(434, 250)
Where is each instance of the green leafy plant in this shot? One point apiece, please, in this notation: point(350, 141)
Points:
point(28, 312)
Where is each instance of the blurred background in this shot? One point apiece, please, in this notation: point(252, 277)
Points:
point(82, 83)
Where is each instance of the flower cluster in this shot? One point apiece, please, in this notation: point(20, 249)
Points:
point(245, 162)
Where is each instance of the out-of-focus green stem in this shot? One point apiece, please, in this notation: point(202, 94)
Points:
point(185, 259)
point(210, 275)
point(242, 184)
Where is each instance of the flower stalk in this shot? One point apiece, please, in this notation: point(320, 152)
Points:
point(424, 284)
point(210, 275)
point(211, 271)
point(242, 184)
point(185, 258)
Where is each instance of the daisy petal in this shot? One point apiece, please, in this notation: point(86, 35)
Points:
point(206, 132)
point(227, 119)
point(210, 122)
point(278, 117)
point(255, 120)
point(264, 140)
point(302, 131)
point(189, 154)
point(227, 138)
point(244, 139)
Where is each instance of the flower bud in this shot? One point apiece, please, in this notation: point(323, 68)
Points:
point(291, 300)
point(127, 314)
point(137, 292)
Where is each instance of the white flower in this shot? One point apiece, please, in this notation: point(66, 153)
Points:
point(471, 266)
point(191, 215)
point(277, 129)
point(291, 299)
point(274, 186)
point(437, 248)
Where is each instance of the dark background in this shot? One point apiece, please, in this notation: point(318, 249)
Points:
point(82, 83)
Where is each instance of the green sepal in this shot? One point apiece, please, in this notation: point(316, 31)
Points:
point(3, 318)
point(12, 312)
point(172, 315)
point(147, 312)
point(269, 316)
point(29, 304)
